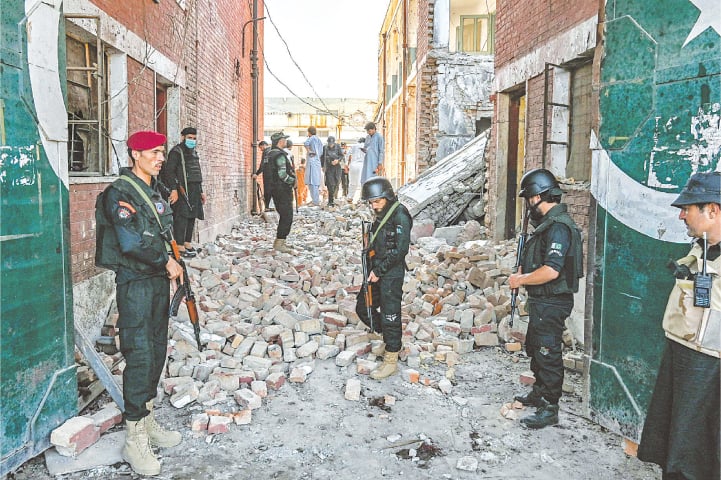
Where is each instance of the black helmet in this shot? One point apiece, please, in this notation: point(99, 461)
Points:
point(700, 188)
point(537, 181)
point(377, 187)
point(331, 139)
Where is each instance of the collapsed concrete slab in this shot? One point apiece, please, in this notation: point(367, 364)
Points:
point(451, 190)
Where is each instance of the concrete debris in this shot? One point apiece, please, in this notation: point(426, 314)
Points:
point(450, 190)
point(268, 317)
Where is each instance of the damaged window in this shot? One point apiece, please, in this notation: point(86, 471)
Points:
point(87, 90)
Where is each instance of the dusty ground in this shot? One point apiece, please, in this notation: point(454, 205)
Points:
point(309, 431)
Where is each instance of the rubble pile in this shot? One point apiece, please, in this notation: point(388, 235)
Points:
point(267, 317)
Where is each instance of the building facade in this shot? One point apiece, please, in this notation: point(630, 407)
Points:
point(621, 101)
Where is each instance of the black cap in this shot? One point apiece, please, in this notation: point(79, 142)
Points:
point(189, 131)
point(262, 143)
point(700, 188)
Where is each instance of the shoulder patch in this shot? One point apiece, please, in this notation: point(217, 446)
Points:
point(160, 207)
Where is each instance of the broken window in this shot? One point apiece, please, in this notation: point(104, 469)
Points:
point(87, 94)
point(476, 34)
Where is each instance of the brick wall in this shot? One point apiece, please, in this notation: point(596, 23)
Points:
point(426, 115)
point(522, 26)
point(205, 40)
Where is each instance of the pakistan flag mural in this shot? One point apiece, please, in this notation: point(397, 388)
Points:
point(38, 388)
point(660, 110)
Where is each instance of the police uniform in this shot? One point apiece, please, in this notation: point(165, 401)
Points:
point(681, 432)
point(390, 247)
point(142, 286)
point(556, 242)
point(182, 169)
point(281, 189)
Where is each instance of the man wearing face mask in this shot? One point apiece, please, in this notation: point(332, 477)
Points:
point(551, 265)
point(182, 175)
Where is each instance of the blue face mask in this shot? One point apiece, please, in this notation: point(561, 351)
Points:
point(190, 143)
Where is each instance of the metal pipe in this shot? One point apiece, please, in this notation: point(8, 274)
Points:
point(404, 74)
point(254, 77)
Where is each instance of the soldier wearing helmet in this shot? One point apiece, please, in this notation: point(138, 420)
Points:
point(551, 265)
point(682, 422)
point(390, 239)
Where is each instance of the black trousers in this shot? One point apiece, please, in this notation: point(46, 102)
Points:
point(344, 183)
point(283, 200)
point(544, 345)
point(385, 310)
point(143, 323)
point(183, 228)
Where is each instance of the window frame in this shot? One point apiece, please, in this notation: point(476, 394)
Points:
point(490, 18)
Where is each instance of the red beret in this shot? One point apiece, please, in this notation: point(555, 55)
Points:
point(145, 140)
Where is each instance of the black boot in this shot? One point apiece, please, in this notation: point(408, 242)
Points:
point(531, 399)
point(544, 416)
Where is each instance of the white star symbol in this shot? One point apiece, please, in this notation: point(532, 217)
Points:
point(710, 17)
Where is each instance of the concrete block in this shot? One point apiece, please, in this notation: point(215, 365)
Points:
point(219, 424)
point(74, 436)
point(247, 398)
point(106, 417)
point(345, 358)
point(352, 389)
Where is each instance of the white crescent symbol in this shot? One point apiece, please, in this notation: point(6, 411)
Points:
point(42, 33)
point(637, 206)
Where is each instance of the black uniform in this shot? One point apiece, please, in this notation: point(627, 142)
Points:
point(390, 247)
point(281, 177)
point(556, 242)
point(142, 286)
point(265, 169)
point(182, 170)
point(332, 172)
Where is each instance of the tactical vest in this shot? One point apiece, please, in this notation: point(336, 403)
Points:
point(386, 241)
point(695, 327)
point(567, 280)
point(273, 168)
point(107, 247)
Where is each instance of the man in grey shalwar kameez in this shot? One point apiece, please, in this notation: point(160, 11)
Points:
point(313, 177)
point(375, 148)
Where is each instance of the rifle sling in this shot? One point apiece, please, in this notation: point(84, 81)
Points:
point(142, 193)
point(383, 222)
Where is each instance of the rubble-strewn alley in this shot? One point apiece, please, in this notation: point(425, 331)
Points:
point(281, 389)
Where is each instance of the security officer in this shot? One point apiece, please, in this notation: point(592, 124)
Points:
point(281, 178)
point(390, 239)
point(183, 176)
point(551, 265)
point(681, 430)
point(141, 220)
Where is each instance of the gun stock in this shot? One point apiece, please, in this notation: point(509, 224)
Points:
point(185, 291)
point(519, 256)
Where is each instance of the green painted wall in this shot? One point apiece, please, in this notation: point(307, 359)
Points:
point(38, 389)
point(659, 123)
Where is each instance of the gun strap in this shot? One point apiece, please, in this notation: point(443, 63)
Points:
point(185, 177)
point(142, 193)
point(383, 222)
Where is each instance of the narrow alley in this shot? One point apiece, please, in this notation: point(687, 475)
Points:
point(444, 421)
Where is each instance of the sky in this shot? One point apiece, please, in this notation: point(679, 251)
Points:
point(335, 43)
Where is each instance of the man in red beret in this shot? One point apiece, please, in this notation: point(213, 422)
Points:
point(133, 241)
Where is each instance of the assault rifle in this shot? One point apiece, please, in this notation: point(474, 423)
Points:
point(366, 256)
point(519, 255)
point(184, 194)
point(184, 291)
